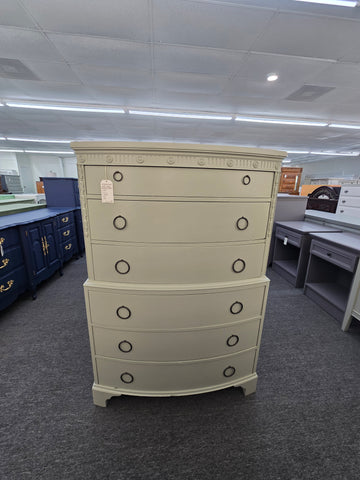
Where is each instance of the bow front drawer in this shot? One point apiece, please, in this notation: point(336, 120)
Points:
point(178, 221)
point(175, 378)
point(153, 309)
point(65, 219)
point(164, 263)
point(180, 182)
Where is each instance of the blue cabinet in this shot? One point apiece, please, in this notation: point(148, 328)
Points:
point(61, 191)
point(41, 248)
point(13, 278)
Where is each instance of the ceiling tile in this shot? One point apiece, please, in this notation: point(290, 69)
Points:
point(54, 92)
point(26, 45)
point(57, 72)
point(13, 13)
point(182, 59)
point(102, 51)
point(113, 77)
point(190, 83)
point(127, 19)
point(210, 25)
point(309, 36)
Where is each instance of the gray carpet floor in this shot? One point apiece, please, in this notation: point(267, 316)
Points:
point(302, 423)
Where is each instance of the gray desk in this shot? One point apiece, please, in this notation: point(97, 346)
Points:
point(332, 279)
point(292, 249)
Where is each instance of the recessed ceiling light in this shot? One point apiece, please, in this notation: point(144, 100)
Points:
point(38, 140)
point(65, 108)
point(339, 3)
point(49, 152)
point(272, 77)
point(280, 121)
point(337, 154)
point(344, 125)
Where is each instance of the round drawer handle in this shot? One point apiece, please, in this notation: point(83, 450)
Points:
point(341, 211)
point(242, 223)
point(118, 176)
point(239, 265)
point(119, 222)
point(126, 377)
point(123, 312)
point(246, 180)
point(236, 308)
point(232, 341)
point(229, 371)
point(122, 267)
point(344, 201)
point(125, 346)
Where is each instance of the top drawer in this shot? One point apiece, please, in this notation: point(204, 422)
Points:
point(65, 219)
point(341, 258)
point(8, 237)
point(185, 182)
point(292, 237)
point(350, 190)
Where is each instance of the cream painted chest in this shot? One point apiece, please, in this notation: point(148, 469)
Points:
point(177, 239)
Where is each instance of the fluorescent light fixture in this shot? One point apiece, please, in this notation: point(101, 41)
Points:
point(338, 154)
point(2, 138)
point(344, 125)
point(11, 150)
point(297, 151)
point(49, 152)
point(272, 77)
point(339, 3)
point(279, 121)
point(286, 161)
point(66, 108)
point(180, 115)
point(15, 139)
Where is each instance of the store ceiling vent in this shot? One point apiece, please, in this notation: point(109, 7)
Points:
point(308, 93)
point(12, 68)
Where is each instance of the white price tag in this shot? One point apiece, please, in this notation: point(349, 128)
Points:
point(285, 240)
point(107, 191)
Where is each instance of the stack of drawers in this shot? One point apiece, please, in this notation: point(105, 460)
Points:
point(176, 292)
point(349, 201)
point(67, 235)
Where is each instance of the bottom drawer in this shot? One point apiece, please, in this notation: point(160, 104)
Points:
point(177, 377)
point(11, 286)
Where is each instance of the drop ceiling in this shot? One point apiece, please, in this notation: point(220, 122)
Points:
point(184, 56)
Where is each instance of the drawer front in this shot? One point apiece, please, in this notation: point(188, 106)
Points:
point(9, 237)
point(343, 259)
point(180, 182)
point(11, 259)
point(176, 345)
point(177, 221)
point(11, 285)
point(347, 201)
point(69, 248)
point(65, 220)
point(165, 263)
point(67, 233)
point(159, 310)
point(175, 377)
point(292, 237)
point(351, 211)
point(351, 191)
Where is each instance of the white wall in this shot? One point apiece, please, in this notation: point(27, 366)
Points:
point(8, 161)
point(70, 167)
point(335, 167)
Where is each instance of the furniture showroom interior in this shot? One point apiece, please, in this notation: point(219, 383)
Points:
point(180, 239)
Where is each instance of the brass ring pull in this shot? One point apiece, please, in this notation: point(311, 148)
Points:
point(65, 219)
point(118, 176)
point(68, 247)
point(126, 377)
point(246, 180)
point(125, 346)
point(236, 308)
point(242, 223)
point(119, 222)
point(239, 265)
point(232, 341)
point(4, 262)
point(229, 371)
point(123, 312)
point(10, 284)
point(67, 233)
point(122, 267)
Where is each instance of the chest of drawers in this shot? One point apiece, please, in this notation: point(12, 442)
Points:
point(349, 201)
point(176, 258)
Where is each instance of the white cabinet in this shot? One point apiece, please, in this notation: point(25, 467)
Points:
point(176, 293)
point(349, 201)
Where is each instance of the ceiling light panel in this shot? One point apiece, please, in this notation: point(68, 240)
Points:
point(344, 125)
point(16, 139)
point(280, 121)
point(66, 108)
point(338, 3)
point(180, 115)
